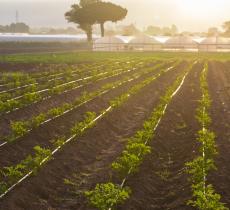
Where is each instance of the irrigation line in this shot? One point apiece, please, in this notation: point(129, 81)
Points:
point(51, 75)
point(100, 94)
point(44, 90)
point(45, 98)
point(67, 111)
point(158, 122)
point(6, 91)
point(156, 126)
point(67, 141)
point(203, 143)
point(48, 89)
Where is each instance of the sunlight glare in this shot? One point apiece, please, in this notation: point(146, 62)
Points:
point(198, 8)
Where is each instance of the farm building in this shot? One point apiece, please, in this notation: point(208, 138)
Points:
point(215, 44)
point(17, 37)
point(181, 43)
point(109, 43)
point(144, 43)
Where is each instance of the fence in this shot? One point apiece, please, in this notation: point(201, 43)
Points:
point(188, 47)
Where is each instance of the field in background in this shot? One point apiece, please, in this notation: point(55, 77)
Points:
point(73, 57)
point(66, 118)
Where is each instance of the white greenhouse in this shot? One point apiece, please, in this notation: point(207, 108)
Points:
point(144, 43)
point(184, 43)
point(215, 44)
point(110, 43)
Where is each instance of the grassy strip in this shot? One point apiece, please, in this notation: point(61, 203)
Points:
point(204, 195)
point(108, 195)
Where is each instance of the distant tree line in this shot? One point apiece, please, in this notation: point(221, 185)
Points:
point(166, 31)
point(214, 31)
point(15, 28)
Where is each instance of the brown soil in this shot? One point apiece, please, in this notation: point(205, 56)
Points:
point(219, 86)
point(90, 154)
point(23, 67)
point(162, 182)
point(55, 101)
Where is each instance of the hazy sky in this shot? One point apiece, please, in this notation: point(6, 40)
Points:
point(193, 15)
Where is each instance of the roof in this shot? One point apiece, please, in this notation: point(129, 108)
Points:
point(180, 40)
point(216, 40)
point(109, 39)
point(144, 39)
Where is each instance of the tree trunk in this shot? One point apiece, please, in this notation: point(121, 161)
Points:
point(89, 36)
point(102, 29)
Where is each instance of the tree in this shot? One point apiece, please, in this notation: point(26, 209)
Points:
point(90, 12)
point(174, 30)
point(84, 3)
point(106, 11)
point(213, 31)
point(83, 17)
point(15, 28)
point(130, 30)
point(166, 31)
point(226, 27)
point(153, 30)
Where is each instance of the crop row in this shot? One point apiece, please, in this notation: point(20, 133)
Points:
point(21, 128)
point(46, 85)
point(29, 98)
point(20, 79)
point(108, 195)
point(14, 175)
point(205, 197)
point(16, 79)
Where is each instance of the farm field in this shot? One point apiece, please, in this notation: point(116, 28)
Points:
point(127, 131)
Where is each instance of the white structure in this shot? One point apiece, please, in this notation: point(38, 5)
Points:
point(17, 37)
point(144, 43)
point(110, 43)
point(208, 44)
point(211, 44)
point(184, 43)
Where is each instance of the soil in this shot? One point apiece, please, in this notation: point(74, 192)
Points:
point(91, 153)
point(162, 182)
point(55, 101)
point(219, 87)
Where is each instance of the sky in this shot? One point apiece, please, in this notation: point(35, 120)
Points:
point(188, 15)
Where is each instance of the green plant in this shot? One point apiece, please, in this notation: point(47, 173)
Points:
point(204, 196)
point(3, 187)
point(19, 129)
point(106, 196)
point(87, 123)
point(13, 173)
point(38, 120)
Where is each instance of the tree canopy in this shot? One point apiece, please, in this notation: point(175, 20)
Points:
point(226, 27)
point(81, 16)
point(90, 12)
point(106, 11)
point(15, 28)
